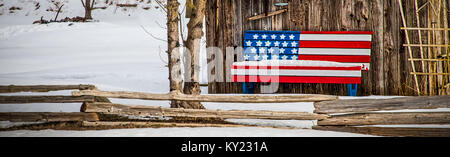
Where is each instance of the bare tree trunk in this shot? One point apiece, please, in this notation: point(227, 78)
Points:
point(195, 33)
point(173, 52)
point(88, 7)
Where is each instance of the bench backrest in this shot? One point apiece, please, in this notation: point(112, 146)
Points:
point(350, 47)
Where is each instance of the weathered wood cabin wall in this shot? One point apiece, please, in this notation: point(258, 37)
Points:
point(226, 21)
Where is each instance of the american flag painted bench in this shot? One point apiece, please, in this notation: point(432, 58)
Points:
point(304, 57)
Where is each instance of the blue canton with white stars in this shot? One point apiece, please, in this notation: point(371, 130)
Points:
point(271, 45)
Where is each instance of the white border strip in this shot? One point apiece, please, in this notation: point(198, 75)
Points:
point(336, 37)
point(279, 72)
point(334, 51)
point(359, 64)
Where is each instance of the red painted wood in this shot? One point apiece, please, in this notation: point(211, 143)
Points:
point(297, 79)
point(336, 58)
point(335, 44)
point(336, 32)
point(356, 68)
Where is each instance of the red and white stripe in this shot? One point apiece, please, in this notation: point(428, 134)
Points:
point(338, 46)
point(290, 72)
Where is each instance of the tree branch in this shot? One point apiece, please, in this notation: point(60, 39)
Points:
point(92, 4)
point(145, 30)
point(83, 3)
point(161, 6)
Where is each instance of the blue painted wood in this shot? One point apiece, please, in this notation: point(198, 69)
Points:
point(271, 43)
point(271, 50)
point(248, 87)
point(272, 35)
point(260, 57)
point(352, 89)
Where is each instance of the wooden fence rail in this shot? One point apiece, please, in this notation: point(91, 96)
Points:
point(208, 98)
point(45, 99)
point(43, 88)
point(388, 118)
point(366, 105)
point(390, 131)
point(47, 116)
point(155, 124)
point(110, 108)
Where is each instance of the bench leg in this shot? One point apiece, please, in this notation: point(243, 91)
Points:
point(248, 87)
point(352, 89)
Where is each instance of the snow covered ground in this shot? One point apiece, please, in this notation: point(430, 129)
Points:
point(113, 53)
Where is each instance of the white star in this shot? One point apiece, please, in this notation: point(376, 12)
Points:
point(258, 43)
point(262, 50)
point(277, 43)
point(264, 36)
point(294, 44)
point(255, 36)
point(294, 57)
point(282, 36)
point(270, 50)
point(249, 43)
point(285, 44)
point(246, 57)
point(284, 57)
point(274, 36)
point(256, 57)
point(275, 57)
point(282, 50)
point(253, 50)
point(267, 43)
point(264, 57)
point(294, 51)
point(291, 36)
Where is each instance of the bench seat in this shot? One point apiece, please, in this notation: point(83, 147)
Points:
point(299, 71)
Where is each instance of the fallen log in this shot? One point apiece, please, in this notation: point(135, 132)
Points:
point(390, 131)
point(208, 98)
point(126, 5)
point(47, 116)
point(45, 99)
point(366, 105)
point(388, 118)
point(43, 88)
point(110, 108)
point(154, 124)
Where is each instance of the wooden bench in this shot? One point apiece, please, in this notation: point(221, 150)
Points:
point(304, 57)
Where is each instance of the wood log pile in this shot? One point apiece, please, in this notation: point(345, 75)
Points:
point(365, 115)
point(66, 19)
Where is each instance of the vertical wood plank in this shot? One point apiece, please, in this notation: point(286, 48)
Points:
point(376, 18)
point(210, 38)
point(391, 49)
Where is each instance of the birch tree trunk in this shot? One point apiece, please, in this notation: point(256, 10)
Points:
point(192, 43)
point(173, 52)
